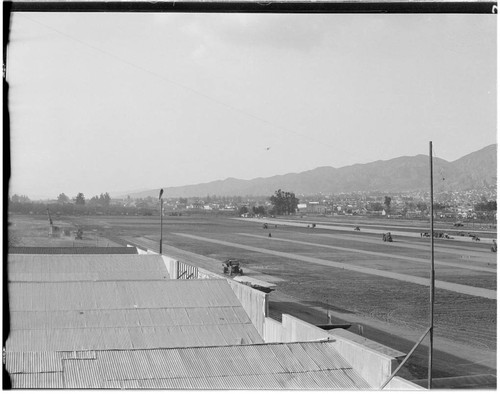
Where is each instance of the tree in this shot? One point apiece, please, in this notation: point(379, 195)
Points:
point(21, 199)
point(486, 205)
point(260, 210)
point(80, 199)
point(422, 206)
point(243, 210)
point(63, 198)
point(104, 199)
point(387, 203)
point(94, 201)
point(284, 202)
point(376, 206)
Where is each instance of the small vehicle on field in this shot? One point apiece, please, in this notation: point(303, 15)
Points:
point(232, 267)
point(387, 237)
point(494, 247)
point(357, 228)
point(79, 234)
point(458, 224)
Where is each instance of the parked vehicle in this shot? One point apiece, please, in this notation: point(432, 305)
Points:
point(232, 267)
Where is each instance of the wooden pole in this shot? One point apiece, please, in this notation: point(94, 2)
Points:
point(431, 325)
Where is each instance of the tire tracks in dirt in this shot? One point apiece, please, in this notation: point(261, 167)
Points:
point(379, 254)
point(464, 289)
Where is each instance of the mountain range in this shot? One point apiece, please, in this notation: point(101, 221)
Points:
point(407, 173)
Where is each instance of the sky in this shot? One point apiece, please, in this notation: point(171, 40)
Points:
point(122, 102)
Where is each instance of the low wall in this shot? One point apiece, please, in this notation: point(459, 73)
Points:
point(254, 302)
point(139, 251)
point(374, 366)
point(273, 331)
point(296, 330)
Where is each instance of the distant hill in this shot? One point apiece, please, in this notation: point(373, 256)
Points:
point(407, 173)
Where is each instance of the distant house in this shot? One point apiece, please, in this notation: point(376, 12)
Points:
point(302, 207)
point(416, 213)
point(315, 207)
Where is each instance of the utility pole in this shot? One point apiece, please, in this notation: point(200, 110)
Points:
point(431, 325)
point(161, 219)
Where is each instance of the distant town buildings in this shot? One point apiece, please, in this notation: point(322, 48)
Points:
point(471, 205)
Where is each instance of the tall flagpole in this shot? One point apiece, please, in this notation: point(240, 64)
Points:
point(161, 219)
point(431, 325)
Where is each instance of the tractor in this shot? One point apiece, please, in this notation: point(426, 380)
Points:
point(232, 267)
point(79, 234)
point(387, 237)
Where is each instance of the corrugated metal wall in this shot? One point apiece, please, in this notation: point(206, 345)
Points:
point(186, 271)
point(273, 331)
point(375, 367)
point(296, 330)
point(254, 302)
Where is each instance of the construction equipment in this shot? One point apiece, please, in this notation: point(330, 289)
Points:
point(387, 237)
point(232, 267)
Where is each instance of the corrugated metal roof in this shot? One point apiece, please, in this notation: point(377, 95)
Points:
point(25, 320)
point(230, 367)
point(71, 250)
point(81, 296)
point(131, 337)
point(126, 315)
point(53, 380)
point(87, 276)
point(25, 267)
point(33, 362)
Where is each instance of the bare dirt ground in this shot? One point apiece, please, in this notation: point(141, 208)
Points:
point(25, 231)
point(390, 311)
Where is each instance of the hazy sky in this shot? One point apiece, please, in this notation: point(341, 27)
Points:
point(120, 102)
